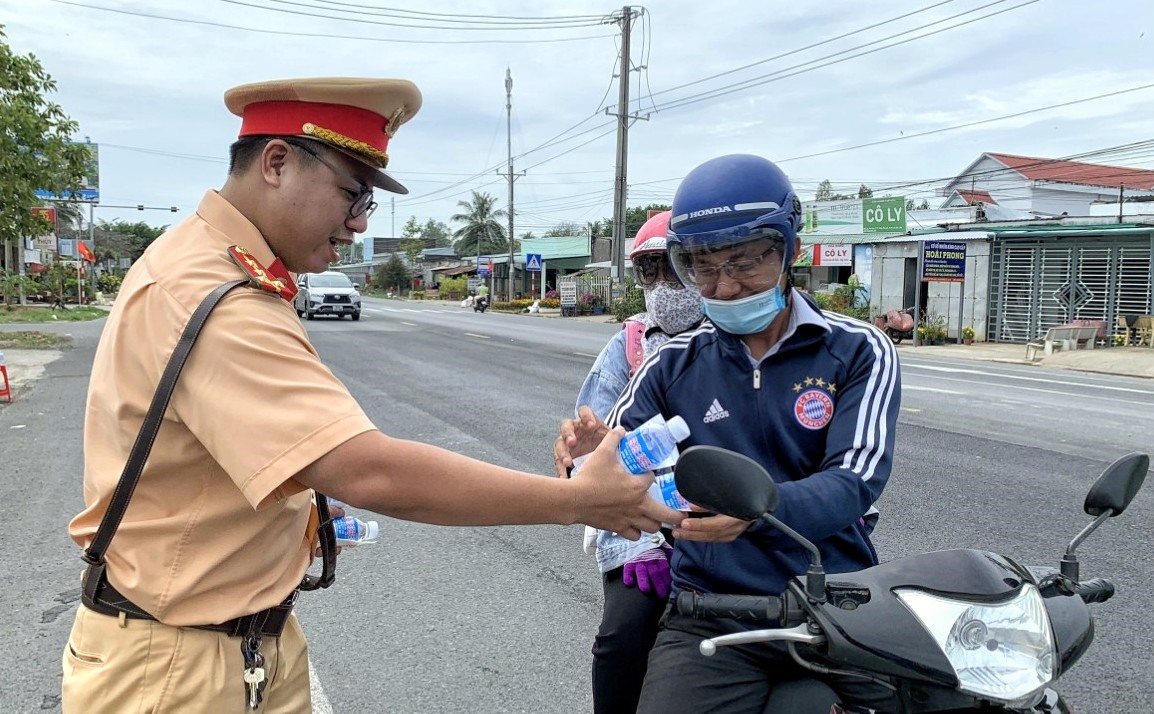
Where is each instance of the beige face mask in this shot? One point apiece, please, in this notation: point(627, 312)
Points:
point(673, 309)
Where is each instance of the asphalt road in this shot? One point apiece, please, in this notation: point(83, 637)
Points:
point(501, 619)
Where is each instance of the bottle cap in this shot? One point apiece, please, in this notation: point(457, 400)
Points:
point(678, 429)
point(371, 530)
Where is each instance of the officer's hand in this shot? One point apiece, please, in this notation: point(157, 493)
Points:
point(336, 510)
point(710, 529)
point(578, 437)
point(610, 498)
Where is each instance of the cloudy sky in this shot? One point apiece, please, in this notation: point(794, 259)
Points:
point(891, 93)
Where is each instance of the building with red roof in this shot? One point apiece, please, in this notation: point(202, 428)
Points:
point(1044, 187)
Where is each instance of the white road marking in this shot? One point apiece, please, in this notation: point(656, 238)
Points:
point(474, 334)
point(1047, 380)
point(320, 701)
point(912, 388)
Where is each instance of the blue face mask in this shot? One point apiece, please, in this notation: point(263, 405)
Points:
point(746, 316)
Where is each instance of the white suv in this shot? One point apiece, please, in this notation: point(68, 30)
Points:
point(328, 293)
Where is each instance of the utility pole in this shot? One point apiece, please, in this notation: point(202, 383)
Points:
point(620, 183)
point(1121, 195)
point(393, 208)
point(509, 174)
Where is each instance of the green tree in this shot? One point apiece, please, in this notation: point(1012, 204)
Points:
point(393, 275)
point(864, 191)
point(482, 232)
point(411, 243)
point(122, 239)
point(825, 192)
point(436, 234)
point(36, 149)
point(565, 229)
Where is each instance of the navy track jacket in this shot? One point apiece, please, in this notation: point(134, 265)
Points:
point(818, 412)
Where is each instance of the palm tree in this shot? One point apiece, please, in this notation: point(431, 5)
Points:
point(482, 233)
point(69, 216)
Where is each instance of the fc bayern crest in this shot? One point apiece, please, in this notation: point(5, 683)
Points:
point(813, 409)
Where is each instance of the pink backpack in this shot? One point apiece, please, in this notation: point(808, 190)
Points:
point(634, 345)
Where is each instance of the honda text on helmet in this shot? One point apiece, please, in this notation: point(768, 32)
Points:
point(732, 232)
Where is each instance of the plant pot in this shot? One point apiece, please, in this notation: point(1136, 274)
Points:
point(967, 341)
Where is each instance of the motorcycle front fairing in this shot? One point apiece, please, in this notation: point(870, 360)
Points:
point(1070, 619)
point(869, 628)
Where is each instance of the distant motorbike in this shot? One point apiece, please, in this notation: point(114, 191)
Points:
point(960, 631)
point(897, 324)
point(480, 303)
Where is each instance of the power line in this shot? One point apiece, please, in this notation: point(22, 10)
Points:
point(803, 49)
point(455, 15)
point(362, 20)
point(286, 33)
point(787, 73)
point(969, 124)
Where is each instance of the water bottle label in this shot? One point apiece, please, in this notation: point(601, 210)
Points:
point(639, 456)
point(346, 529)
point(669, 493)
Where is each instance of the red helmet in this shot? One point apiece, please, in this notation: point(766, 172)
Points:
point(651, 237)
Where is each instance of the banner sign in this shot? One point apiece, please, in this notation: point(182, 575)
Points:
point(89, 189)
point(832, 254)
point(568, 293)
point(884, 215)
point(943, 262)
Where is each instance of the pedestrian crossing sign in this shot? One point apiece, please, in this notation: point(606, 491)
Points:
point(533, 261)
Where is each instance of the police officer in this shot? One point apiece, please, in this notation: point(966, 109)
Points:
point(189, 606)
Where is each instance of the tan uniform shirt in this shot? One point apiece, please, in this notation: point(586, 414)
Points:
point(217, 526)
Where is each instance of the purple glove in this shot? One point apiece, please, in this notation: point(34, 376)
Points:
point(649, 572)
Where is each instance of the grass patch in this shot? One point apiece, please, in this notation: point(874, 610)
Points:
point(78, 313)
point(33, 341)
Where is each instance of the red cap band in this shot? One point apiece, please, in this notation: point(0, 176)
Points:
point(287, 118)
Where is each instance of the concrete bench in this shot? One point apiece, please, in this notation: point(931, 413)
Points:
point(1062, 338)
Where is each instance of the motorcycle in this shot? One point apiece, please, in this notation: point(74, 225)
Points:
point(955, 630)
point(897, 324)
point(480, 303)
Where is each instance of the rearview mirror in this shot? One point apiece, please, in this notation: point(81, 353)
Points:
point(1117, 485)
point(726, 482)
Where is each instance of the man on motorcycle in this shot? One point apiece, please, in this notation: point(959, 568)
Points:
point(812, 396)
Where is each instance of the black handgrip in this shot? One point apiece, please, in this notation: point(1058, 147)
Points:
point(758, 608)
point(1096, 590)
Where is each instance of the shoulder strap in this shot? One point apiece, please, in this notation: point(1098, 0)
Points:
point(634, 343)
point(130, 476)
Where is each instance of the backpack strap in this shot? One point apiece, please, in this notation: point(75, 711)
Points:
point(634, 345)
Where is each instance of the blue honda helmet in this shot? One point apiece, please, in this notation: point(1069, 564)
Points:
point(728, 201)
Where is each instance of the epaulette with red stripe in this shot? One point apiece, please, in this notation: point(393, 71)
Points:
point(258, 275)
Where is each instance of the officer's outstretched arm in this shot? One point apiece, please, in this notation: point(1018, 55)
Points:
point(419, 482)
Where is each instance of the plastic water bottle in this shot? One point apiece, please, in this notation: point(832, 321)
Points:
point(353, 531)
point(653, 445)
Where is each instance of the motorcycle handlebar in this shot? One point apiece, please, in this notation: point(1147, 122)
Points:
point(758, 608)
point(1095, 590)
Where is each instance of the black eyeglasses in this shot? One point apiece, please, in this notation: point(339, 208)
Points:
point(362, 200)
point(652, 268)
point(736, 269)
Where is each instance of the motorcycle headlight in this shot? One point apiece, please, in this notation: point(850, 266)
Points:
point(1003, 652)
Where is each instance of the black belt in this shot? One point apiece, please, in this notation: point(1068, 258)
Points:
point(101, 597)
